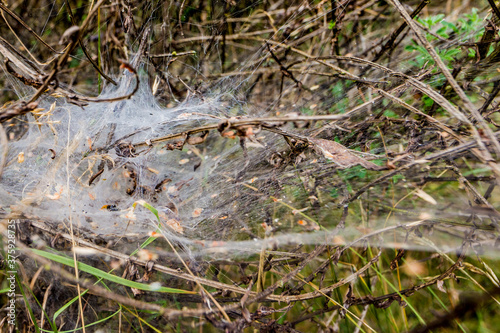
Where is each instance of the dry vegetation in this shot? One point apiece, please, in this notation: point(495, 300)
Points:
point(359, 153)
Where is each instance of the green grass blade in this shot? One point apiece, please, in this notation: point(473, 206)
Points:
point(110, 277)
point(67, 305)
point(88, 325)
point(30, 311)
point(155, 212)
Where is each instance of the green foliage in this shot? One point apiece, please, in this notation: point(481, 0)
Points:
point(334, 193)
point(468, 25)
point(424, 59)
point(431, 21)
point(75, 61)
point(307, 111)
point(338, 91)
point(428, 102)
point(306, 191)
point(107, 276)
point(356, 172)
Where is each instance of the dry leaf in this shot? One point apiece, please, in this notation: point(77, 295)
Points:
point(154, 234)
point(55, 196)
point(422, 195)
point(136, 292)
point(146, 255)
point(338, 240)
point(390, 165)
point(128, 67)
point(414, 267)
point(184, 115)
point(175, 225)
point(425, 216)
point(156, 84)
point(340, 155)
point(266, 226)
point(184, 161)
point(197, 212)
point(395, 261)
point(440, 285)
point(229, 134)
point(20, 157)
point(194, 140)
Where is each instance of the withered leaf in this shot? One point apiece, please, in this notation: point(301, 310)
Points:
point(340, 155)
point(175, 225)
point(425, 196)
point(440, 285)
point(194, 140)
point(394, 262)
point(175, 145)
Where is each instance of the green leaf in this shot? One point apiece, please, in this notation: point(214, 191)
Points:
point(107, 276)
point(450, 25)
point(410, 48)
point(442, 32)
point(90, 324)
point(67, 305)
point(390, 114)
point(30, 311)
point(428, 102)
point(148, 206)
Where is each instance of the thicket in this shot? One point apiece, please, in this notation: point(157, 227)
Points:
point(287, 166)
